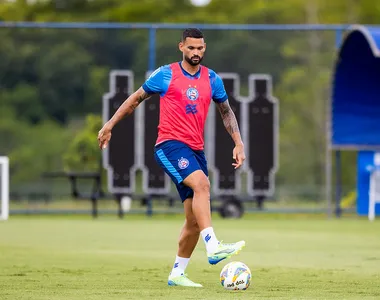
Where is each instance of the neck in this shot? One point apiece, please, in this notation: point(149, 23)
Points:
point(189, 68)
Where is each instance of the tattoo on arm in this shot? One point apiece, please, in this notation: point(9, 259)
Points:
point(129, 105)
point(141, 96)
point(228, 116)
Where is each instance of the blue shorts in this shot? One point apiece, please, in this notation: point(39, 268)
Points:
point(179, 161)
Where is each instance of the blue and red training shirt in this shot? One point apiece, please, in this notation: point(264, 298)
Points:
point(184, 102)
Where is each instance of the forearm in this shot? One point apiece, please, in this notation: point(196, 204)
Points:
point(230, 122)
point(125, 109)
point(128, 106)
point(237, 138)
point(232, 127)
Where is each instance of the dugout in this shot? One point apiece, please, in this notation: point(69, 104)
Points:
point(355, 109)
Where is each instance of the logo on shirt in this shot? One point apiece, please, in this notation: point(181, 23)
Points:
point(183, 163)
point(191, 109)
point(192, 94)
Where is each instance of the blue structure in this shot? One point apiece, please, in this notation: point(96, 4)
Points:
point(355, 107)
point(368, 161)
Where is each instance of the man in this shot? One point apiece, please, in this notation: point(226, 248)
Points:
point(186, 89)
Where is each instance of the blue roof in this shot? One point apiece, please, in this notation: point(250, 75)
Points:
point(355, 110)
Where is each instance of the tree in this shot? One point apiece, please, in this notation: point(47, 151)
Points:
point(83, 153)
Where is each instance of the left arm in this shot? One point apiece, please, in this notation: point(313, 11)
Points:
point(229, 121)
point(232, 127)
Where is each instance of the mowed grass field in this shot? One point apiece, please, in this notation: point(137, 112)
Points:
point(304, 257)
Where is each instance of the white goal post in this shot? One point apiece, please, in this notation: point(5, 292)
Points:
point(4, 188)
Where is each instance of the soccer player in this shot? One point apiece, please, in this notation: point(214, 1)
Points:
point(186, 89)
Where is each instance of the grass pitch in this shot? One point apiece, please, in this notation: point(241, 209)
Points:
point(290, 258)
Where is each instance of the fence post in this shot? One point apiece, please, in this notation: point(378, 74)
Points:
point(338, 158)
point(152, 49)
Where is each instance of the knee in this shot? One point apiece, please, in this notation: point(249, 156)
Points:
point(202, 186)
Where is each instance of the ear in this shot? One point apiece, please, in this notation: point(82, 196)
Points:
point(205, 46)
point(180, 46)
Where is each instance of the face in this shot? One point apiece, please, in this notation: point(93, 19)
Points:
point(193, 50)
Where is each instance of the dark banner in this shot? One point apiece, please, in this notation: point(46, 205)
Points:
point(119, 158)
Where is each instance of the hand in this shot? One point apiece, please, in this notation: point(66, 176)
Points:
point(238, 155)
point(104, 135)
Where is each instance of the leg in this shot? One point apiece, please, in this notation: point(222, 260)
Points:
point(188, 170)
point(171, 156)
point(187, 241)
point(200, 184)
point(216, 251)
point(190, 232)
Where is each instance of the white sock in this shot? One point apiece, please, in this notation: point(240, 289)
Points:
point(179, 266)
point(210, 239)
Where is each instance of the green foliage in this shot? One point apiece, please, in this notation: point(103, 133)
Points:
point(83, 153)
point(32, 149)
point(305, 102)
point(25, 101)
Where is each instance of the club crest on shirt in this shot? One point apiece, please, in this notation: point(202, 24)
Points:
point(183, 163)
point(192, 93)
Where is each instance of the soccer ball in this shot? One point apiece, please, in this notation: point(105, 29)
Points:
point(235, 276)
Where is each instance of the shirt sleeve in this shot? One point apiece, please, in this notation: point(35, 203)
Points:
point(158, 82)
point(219, 93)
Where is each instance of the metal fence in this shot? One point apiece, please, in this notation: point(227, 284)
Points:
point(67, 64)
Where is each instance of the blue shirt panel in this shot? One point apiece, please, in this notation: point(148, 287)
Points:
point(159, 81)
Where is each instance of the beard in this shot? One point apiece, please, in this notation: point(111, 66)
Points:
point(193, 62)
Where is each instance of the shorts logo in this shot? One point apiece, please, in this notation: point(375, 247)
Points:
point(183, 163)
point(192, 93)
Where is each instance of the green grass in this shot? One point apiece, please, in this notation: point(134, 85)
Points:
point(290, 258)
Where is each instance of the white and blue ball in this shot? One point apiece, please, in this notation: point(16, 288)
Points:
point(235, 276)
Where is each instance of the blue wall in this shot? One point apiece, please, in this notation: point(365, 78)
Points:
point(365, 164)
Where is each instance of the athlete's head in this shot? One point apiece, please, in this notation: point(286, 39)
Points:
point(192, 46)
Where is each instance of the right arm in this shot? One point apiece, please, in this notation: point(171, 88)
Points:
point(155, 84)
point(128, 106)
point(125, 109)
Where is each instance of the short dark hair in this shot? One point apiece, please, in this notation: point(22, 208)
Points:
point(192, 33)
